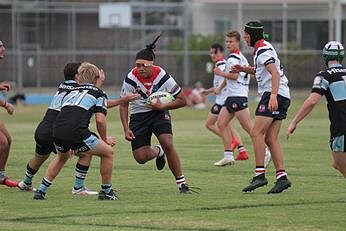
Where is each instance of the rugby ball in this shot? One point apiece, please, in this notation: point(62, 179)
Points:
point(165, 97)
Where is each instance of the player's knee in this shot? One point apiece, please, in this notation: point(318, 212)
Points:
point(140, 160)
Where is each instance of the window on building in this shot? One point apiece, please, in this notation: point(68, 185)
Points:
point(314, 34)
point(222, 26)
point(274, 29)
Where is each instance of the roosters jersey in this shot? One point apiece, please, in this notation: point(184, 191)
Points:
point(218, 80)
point(265, 54)
point(239, 86)
point(332, 84)
point(160, 81)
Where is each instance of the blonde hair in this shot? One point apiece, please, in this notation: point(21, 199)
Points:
point(88, 73)
point(234, 34)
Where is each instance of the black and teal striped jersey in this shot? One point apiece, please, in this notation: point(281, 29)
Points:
point(78, 106)
point(44, 130)
point(332, 84)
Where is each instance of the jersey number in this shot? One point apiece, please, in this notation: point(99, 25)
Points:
point(74, 98)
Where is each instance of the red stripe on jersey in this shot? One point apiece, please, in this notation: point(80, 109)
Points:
point(258, 44)
point(236, 51)
point(147, 82)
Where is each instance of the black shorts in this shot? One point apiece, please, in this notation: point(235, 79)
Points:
point(84, 146)
point(215, 109)
point(143, 125)
point(44, 140)
point(237, 103)
point(279, 114)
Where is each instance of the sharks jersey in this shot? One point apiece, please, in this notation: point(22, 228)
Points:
point(78, 106)
point(332, 84)
point(44, 130)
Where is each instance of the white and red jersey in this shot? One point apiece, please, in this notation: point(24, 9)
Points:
point(134, 83)
point(265, 54)
point(218, 80)
point(239, 86)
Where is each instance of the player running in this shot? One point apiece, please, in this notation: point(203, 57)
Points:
point(331, 84)
point(145, 119)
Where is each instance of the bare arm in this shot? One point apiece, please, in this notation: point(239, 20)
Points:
point(273, 102)
point(124, 117)
point(227, 75)
point(9, 107)
point(127, 98)
point(101, 125)
point(304, 110)
point(180, 101)
point(238, 68)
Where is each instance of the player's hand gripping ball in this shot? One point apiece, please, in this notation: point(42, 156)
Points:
point(165, 97)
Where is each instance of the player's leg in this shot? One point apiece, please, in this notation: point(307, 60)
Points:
point(273, 143)
point(244, 119)
point(32, 168)
point(211, 125)
point(223, 121)
point(166, 141)
point(5, 144)
point(338, 146)
point(44, 146)
point(81, 170)
point(141, 149)
point(257, 133)
point(339, 162)
point(236, 138)
point(105, 152)
point(53, 170)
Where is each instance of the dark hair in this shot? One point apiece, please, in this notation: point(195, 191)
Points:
point(70, 70)
point(148, 52)
point(217, 47)
point(233, 34)
point(255, 30)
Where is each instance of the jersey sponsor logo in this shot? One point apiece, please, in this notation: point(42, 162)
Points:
point(261, 108)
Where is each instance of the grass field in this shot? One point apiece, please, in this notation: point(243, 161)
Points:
point(150, 199)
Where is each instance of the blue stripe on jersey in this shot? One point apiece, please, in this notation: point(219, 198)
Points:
point(234, 56)
point(338, 90)
point(87, 102)
point(324, 84)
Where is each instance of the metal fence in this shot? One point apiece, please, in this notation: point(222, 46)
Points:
point(42, 36)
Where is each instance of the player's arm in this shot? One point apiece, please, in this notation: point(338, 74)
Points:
point(303, 111)
point(273, 102)
point(239, 68)
point(180, 101)
point(125, 99)
point(101, 125)
point(5, 86)
point(9, 107)
point(124, 117)
point(218, 89)
point(227, 75)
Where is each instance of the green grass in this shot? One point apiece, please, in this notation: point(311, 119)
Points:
point(150, 199)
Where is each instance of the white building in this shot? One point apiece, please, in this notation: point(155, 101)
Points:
point(307, 24)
